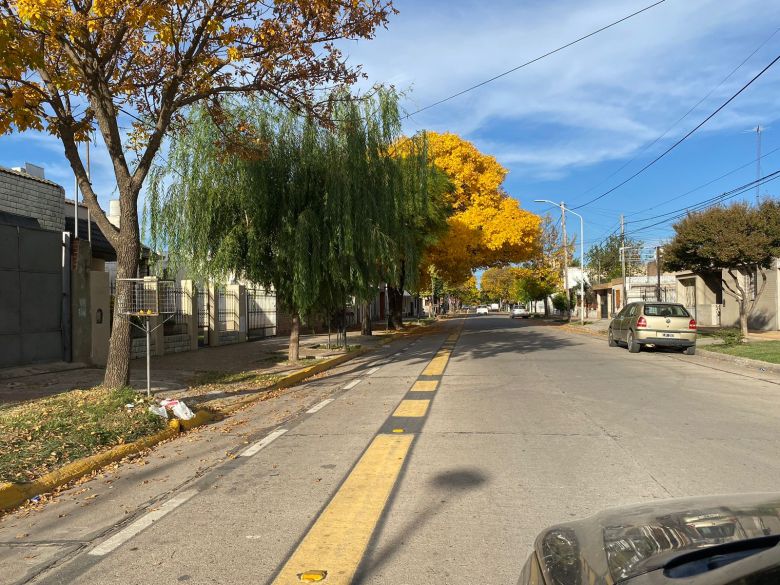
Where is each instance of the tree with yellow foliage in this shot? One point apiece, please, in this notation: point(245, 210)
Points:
point(497, 283)
point(488, 228)
point(67, 66)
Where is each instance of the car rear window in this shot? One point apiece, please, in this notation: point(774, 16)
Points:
point(666, 311)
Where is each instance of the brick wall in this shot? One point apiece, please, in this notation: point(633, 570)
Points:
point(177, 343)
point(32, 197)
point(228, 337)
point(138, 348)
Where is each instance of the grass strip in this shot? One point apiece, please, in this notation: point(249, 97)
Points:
point(42, 435)
point(765, 351)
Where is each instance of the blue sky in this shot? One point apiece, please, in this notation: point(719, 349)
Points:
point(563, 125)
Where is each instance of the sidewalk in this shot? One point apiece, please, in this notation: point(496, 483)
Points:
point(174, 375)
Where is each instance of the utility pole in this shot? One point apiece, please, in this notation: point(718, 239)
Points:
point(75, 208)
point(623, 256)
point(758, 162)
point(658, 272)
point(89, 178)
point(565, 256)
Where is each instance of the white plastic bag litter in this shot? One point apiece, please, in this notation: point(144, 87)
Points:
point(177, 408)
point(182, 411)
point(159, 411)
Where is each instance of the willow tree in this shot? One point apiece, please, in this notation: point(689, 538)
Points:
point(276, 198)
point(68, 66)
point(418, 221)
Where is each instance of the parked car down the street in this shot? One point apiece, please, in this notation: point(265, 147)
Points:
point(519, 312)
point(714, 540)
point(652, 323)
point(482, 310)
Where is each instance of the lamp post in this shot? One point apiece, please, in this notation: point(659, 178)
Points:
point(564, 209)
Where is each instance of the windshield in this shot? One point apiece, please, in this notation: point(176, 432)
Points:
point(666, 311)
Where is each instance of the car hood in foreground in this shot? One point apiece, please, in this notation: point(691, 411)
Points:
point(623, 543)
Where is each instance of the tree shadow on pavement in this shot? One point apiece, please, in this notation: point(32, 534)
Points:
point(487, 343)
point(441, 490)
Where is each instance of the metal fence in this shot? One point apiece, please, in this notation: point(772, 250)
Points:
point(227, 310)
point(261, 313)
point(204, 308)
point(176, 323)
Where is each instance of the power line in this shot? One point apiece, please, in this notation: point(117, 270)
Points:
point(724, 197)
point(685, 115)
point(707, 184)
point(677, 213)
point(534, 60)
point(681, 140)
point(715, 199)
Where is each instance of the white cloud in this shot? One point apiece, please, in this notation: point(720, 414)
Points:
point(599, 100)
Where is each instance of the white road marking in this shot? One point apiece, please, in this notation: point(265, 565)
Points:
point(352, 384)
point(372, 371)
point(263, 443)
point(144, 522)
point(319, 406)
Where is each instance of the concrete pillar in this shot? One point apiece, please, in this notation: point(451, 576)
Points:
point(237, 295)
point(213, 316)
point(189, 309)
point(81, 319)
point(100, 313)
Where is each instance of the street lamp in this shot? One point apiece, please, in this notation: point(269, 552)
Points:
point(564, 209)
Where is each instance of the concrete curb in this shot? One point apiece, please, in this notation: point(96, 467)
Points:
point(701, 351)
point(581, 331)
point(741, 361)
point(14, 494)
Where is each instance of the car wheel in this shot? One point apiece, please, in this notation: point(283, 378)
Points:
point(633, 346)
point(690, 350)
point(611, 339)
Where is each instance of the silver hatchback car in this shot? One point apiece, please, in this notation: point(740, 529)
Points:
point(658, 324)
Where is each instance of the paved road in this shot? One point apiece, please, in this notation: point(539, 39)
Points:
point(435, 464)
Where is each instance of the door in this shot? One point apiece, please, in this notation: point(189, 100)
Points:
point(31, 296)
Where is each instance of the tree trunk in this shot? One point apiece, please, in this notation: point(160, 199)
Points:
point(396, 297)
point(743, 318)
point(118, 362)
point(365, 323)
point(546, 308)
point(293, 350)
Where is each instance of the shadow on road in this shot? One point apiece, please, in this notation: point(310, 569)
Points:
point(508, 336)
point(441, 489)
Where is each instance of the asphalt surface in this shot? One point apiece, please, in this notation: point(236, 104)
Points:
point(409, 476)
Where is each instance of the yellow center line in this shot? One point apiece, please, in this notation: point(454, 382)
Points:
point(337, 541)
point(412, 408)
point(334, 546)
point(436, 366)
point(424, 386)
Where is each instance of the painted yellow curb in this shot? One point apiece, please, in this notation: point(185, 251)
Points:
point(297, 377)
point(13, 494)
point(294, 379)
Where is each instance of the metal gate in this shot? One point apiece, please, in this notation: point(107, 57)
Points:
point(31, 296)
point(204, 309)
point(261, 313)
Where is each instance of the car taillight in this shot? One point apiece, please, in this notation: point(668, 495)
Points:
point(692, 324)
point(641, 322)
